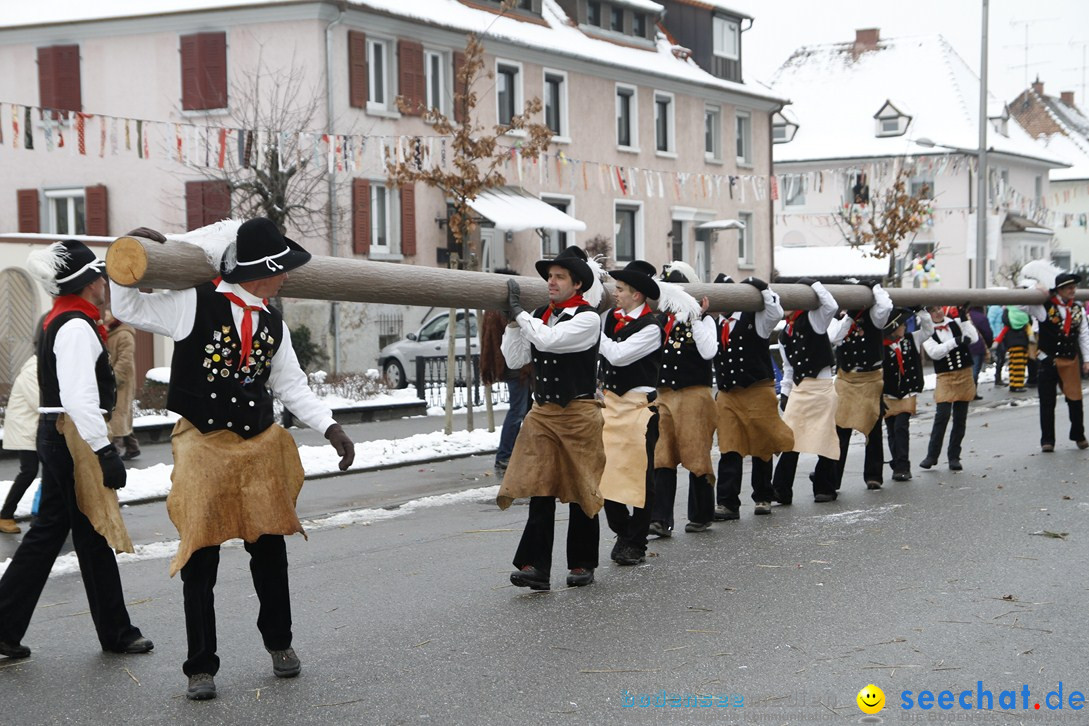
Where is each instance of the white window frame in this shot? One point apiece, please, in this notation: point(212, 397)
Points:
point(569, 200)
point(389, 77)
point(637, 232)
point(715, 154)
point(719, 25)
point(898, 129)
point(797, 184)
point(519, 103)
point(743, 119)
point(745, 257)
point(563, 136)
point(432, 84)
point(393, 220)
point(633, 117)
point(671, 126)
point(70, 194)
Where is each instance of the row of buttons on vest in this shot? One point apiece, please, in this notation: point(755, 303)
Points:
point(230, 424)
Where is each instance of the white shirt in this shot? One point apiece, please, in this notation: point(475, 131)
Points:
point(820, 319)
point(1039, 312)
point(938, 350)
point(705, 333)
point(580, 332)
point(173, 312)
point(879, 315)
point(924, 331)
point(77, 346)
point(639, 345)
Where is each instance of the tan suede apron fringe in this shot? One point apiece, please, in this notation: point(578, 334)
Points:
point(859, 396)
point(955, 386)
point(1069, 371)
point(749, 422)
point(624, 437)
point(897, 406)
point(558, 453)
point(97, 502)
point(686, 430)
point(226, 487)
point(811, 415)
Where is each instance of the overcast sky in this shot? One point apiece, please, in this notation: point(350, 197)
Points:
point(1057, 33)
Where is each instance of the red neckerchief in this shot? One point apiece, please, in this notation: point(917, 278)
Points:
point(670, 322)
point(790, 323)
point(899, 353)
point(74, 303)
point(572, 302)
point(1068, 306)
point(854, 322)
point(622, 319)
point(943, 326)
point(247, 322)
point(725, 337)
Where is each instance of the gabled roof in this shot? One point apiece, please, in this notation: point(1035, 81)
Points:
point(834, 90)
point(1062, 129)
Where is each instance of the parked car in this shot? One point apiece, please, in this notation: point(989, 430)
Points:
point(397, 361)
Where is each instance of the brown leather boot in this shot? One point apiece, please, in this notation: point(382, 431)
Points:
point(8, 526)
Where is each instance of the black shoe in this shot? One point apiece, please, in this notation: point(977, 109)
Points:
point(580, 577)
point(901, 476)
point(14, 650)
point(955, 465)
point(1047, 448)
point(693, 527)
point(529, 576)
point(285, 664)
point(927, 463)
point(782, 497)
point(1083, 444)
point(723, 514)
point(822, 498)
point(873, 484)
point(627, 555)
point(202, 687)
point(978, 398)
point(659, 529)
point(140, 645)
point(129, 455)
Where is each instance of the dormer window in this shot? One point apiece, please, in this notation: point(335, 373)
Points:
point(639, 25)
point(891, 121)
point(593, 13)
point(616, 18)
point(727, 38)
point(1001, 122)
point(782, 129)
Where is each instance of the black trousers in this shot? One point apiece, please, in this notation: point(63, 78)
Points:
point(535, 547)
point(268, 567)
point(959, 410)
point(631, 527)
point(874, 458)
point(1047, 382)
point(701, 498)
point(823, 476)
point(898, 430)
point(728, 486)
point(28, 470)
point(58, 513)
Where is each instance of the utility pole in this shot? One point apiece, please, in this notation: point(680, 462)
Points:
point(982, 203)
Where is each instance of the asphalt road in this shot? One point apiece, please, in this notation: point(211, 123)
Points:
point(934, 584)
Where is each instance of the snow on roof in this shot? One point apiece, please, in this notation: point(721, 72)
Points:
point(835, 94)
point(561, 36)
point(647, 5)
point(820, 262)
point(726, 7)
point(514, 210)
point(1072, 143)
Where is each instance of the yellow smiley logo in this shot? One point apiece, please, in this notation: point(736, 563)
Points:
point(871, 699)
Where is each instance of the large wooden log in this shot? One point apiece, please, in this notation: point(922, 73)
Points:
point(138, 262)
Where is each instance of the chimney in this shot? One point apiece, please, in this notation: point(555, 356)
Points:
point(1038, 86)
point(1067, 98)
point(866, 39)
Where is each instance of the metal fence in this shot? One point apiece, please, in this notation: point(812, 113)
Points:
point(431, 382)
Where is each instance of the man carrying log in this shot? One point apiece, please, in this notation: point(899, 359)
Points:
point(236, 474)
point(559, 451)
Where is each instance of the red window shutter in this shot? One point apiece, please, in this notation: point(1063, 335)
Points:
point(213, 74)
point(97, 210)
point(66, 90)
point(413, 84)
point(194, 204)
point(190, 93)
point(217, 201)
point(46, 78)
point(29, 210)
point(460, 89)
point(357, 69)
point(408, 220)
point(361, 216)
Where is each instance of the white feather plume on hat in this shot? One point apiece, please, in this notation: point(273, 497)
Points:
point(682, 267)
point(217, 240)
point(673, 299)
point(597, 290)
point(1041, 271)
point(44, 264)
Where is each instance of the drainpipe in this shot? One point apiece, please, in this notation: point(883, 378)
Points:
point(334, 240)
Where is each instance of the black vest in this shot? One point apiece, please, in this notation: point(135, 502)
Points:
point(563, 377)
point(746, 359)
point(643, 372)
point(959, 357)
point(209, 386)
point(1052, 341)
point(682, 364)
point(49, 386)
point(861, 349)
point(899, 384)
point(808, 351)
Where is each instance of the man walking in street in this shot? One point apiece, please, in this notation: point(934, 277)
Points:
point(948, 347)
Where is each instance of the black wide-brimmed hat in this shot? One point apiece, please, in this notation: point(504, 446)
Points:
point(898, 317)
point(723, 277)
point(1066, 278)
point(261, 250)
point(640, 275)
point(572, 259)
point(65, 268)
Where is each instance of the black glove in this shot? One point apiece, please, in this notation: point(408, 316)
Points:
point(783, 401)
point(114, 475)
point(869, 283)
point(147, 233)
point(807, 281)
point(958, 339)
point(755, 282)
point(343, 445)
point(514, 299)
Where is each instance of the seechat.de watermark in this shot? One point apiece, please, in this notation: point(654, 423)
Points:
point(981, 698)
